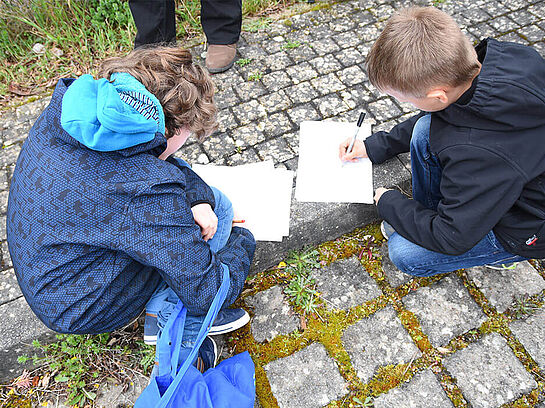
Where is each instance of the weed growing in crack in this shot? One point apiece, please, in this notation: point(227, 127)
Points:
point(302, 288)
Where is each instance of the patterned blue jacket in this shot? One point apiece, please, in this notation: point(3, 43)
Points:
point(92, 233)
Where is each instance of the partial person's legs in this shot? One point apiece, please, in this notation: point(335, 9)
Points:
point(426, 177)
point(418, 261)
point(221, 21)
point(155, 21)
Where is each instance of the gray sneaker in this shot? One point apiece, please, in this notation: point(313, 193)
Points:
point(386, 229)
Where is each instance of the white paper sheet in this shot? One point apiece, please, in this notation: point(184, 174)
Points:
point(321, 176)
point(260, 194)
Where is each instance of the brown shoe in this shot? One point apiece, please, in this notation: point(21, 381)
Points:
point(220, 57)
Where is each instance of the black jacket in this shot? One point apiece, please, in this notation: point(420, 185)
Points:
point(491, 146)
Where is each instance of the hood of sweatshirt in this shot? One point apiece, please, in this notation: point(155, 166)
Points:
point(111, 115)
point(508, 93)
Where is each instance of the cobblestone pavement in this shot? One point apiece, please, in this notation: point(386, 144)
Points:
point(472, 338)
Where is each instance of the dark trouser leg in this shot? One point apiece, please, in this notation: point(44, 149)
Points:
point(221, 20)
point(155, 21)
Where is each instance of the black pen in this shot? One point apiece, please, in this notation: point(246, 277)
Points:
point(358, 126)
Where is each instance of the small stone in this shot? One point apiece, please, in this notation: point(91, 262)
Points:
point(38, 48)
point(57, 52)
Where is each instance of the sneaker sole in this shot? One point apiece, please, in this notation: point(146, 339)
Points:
point(227, 328)
point(222, 69)
point(150, 340)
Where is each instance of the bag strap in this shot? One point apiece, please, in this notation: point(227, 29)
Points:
point(171, 340)
point(215, 307)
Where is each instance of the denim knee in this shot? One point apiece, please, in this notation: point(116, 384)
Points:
point(420, 137)
point(404, 256)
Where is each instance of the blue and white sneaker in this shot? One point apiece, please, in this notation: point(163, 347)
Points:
point(207, 357)
point(228, 320)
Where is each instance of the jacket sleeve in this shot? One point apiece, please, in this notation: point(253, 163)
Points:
point(159, 232)
point(382, 146)
point(196, 190)
point(477, 186)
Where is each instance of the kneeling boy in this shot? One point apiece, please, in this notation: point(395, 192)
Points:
point(477, 148)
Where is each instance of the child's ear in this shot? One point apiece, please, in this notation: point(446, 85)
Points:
point(439, 94)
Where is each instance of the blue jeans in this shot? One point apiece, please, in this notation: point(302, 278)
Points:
point(163, 300)
point(426, 177)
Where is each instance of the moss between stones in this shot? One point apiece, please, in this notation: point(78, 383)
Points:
point(329, 326)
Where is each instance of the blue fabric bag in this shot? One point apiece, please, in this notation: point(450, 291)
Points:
point(229, 385)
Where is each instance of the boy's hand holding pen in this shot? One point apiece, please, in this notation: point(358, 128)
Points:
point(352, 149)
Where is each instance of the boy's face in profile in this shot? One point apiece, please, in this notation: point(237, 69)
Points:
point(434, 101)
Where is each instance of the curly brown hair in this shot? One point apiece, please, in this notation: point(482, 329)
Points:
point(184, 89)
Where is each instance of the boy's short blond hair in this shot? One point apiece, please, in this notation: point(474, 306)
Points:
point(421, 47)
point(184, 89)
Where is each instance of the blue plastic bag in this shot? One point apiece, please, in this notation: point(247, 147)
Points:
point(231, 384)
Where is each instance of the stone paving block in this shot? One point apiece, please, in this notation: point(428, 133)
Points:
point(15, 315)
point(389, 174)
point(377, 341)
point(347, 39)
point(302, 53)
point(383, 109)
point(276, 80)
point(352, 76)
point(275, 124)
point(16, 132)
point(358, 95)
point(325, 64)
point(275, 149)
point(488, 373)
point(395, 276)
point(9, 154)
point(275, 101)
point(6, 258)
point(327, 84)
point(226, 120)
point(9, 287)
point(249, 111)
point(350, 56)
point(303, 112)
point(273, 315)
point(369, 33)
point(531, 333)
point(307, 379)
point(331, 105)
point(325, 46)
point(250, 134)
point(532, 33)
point(219, 145)
point(301, 93)
point(249, 90)
point(423, 390)
point(301, 72)
point(193, 153)
point(345, 284)
point(444, 309)
point(4, 201)
point(502, 288)
point(277, 61)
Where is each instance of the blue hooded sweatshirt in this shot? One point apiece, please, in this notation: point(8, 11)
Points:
point(96, 221)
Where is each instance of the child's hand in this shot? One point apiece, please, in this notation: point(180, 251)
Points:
point(379, 192)
point(206, 219)
point(358, 151)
